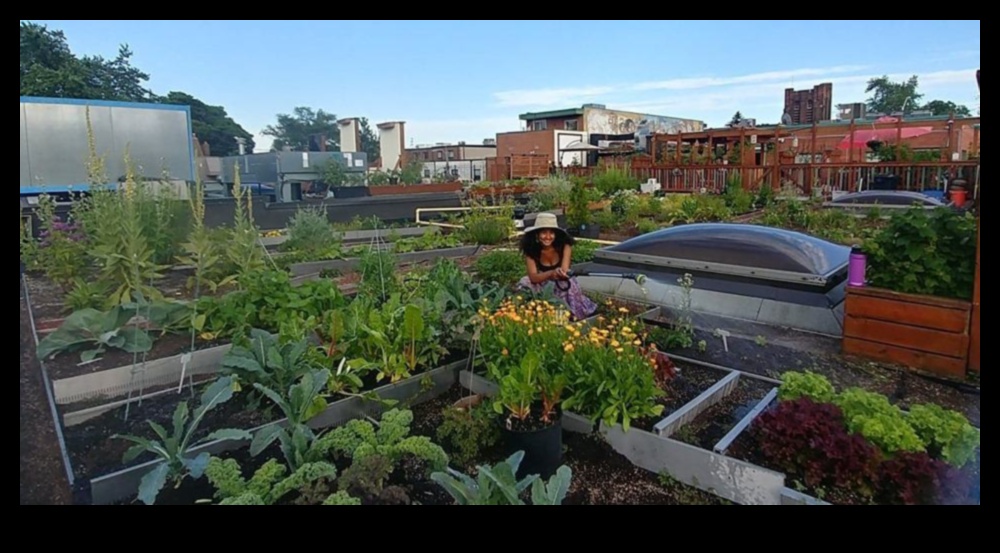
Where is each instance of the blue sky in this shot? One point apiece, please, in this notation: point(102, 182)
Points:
point(468, 80)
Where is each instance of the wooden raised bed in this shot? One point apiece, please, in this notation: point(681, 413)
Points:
point(501, 191)
point(404, 189)
point(922, 332)
point(974, 347)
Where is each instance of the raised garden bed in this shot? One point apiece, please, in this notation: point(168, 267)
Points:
point(962, 486)
point(601, 476)
point(346, 265)
point(708, 429)
point(401, 190)
point(355, 235)
point(689, 383)
point(921, 332)
point(107, 487)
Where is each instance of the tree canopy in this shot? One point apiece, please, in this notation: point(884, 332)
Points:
point(50, 69)
point(890, 97)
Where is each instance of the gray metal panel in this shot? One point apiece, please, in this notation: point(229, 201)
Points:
point(753, 247)
point(25, 161)
point(57, 142)
point(157, 140)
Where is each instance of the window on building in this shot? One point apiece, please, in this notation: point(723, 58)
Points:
point(440, 155)
point(538, 125)
point(427, 173)
point(451, 154)
point(572, 125)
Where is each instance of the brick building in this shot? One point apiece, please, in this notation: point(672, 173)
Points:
point(806, 107)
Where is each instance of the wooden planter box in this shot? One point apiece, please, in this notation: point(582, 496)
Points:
point(921, 332)
point(974, 347)
point(406, 189)
point(501, 191)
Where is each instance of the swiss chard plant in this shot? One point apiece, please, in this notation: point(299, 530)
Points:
point(175, 450)
point(498, 485)
point(394, 339)
point(95, 332)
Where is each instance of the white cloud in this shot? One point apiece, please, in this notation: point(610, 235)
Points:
point(712, 82)
point(714, 100)
point(550, 96)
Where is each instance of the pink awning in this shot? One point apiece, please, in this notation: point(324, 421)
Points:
point(863, 137)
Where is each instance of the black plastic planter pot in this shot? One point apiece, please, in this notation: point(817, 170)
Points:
point(543, 450)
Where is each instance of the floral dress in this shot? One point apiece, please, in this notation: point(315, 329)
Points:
point(568, 291)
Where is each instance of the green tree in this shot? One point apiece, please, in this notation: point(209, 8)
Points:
point(49, 68)
point(889, 97)
point(941, 107)
point(212, 124)
point(369, 141)
point(300, 129)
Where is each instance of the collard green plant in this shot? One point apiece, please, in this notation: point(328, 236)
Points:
point(266, 361)
point(268, 485)
point(174, 450)
point(97, 331)
point(498, 485)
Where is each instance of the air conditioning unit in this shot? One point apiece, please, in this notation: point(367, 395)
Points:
point(490, 142)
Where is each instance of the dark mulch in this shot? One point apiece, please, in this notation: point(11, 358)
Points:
point(690, 382)
point(713, 424)
point(601, 476)
point(43, 476)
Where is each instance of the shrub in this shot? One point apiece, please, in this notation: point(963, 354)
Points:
point(501, 267)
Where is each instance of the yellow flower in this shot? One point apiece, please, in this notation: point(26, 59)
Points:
point(626, 330)
point(620, 350)
point(568, 348)
point(623, 310)
point(637, 343)
point(615, 344)
point(505, 353)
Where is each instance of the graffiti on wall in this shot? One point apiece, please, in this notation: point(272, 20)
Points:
point(641, 126)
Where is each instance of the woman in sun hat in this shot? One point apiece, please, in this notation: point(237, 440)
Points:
point(548, 251)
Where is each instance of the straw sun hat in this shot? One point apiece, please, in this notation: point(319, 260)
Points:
point(546, 221)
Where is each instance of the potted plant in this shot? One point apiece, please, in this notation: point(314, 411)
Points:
point(531, 415)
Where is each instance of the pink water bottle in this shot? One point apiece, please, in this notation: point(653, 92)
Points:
point(856, 267)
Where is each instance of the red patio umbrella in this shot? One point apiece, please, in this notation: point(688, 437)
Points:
point(863, 137)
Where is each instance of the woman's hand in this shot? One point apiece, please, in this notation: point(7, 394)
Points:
point(561, 274)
